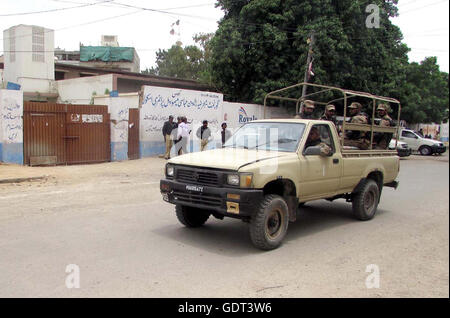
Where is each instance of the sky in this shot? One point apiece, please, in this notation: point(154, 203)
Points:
point(146, 24)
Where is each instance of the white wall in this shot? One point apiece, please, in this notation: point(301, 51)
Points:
point(160, 102)
point(11, 111)
point(118, 107)
point(2, 83)
point(31, 75)
point(11, 126)
point(80, 90)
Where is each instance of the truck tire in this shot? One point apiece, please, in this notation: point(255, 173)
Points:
point(269, 225)
point(191, 217)
point(425, 151)
point(365, 202)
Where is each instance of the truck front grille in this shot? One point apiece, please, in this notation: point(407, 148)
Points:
point(209, 200)
point(197, 177)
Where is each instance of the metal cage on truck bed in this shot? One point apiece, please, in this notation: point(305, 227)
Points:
point(290, 94)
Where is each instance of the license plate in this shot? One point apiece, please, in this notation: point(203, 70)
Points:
point(194, 188)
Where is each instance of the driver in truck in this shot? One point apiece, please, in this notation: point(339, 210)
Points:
point(315, 140)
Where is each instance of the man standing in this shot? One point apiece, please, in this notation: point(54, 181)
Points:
point(308, 110)
point(383, 139)
point(330, 114)
point(204, 134)
point(175, 137)
point(183, 136)
point(167, 130)
point(225, 133)
point(356, 138)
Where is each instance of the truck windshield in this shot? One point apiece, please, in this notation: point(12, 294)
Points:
point(271, 136)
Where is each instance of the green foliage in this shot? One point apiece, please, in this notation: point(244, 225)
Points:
point(262, 45)
point(189, 62)
point(425, 93)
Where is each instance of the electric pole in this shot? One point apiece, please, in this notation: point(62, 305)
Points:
point(308, 62)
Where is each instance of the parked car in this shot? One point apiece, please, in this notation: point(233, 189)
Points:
point(403, 150)
point(425, 146)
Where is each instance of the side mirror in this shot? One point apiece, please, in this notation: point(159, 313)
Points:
point(314, 151)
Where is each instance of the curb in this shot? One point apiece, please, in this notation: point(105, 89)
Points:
point(19, 180)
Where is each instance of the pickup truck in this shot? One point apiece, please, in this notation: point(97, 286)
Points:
point(268, 169)
point(425, 146)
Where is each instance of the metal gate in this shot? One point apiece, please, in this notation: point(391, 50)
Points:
point(65, 134)
point(133, 133)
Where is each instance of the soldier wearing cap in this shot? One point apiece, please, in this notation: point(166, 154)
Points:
point(330, 114)
point(356, 138)
point(382, 139)
point(308, 110)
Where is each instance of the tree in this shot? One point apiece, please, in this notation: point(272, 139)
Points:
point(426, 93)
point(261, 45)
point(190, 62)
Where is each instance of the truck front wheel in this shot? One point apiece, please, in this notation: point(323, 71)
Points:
point(191, 217)
point(269, 225)
point(425, 151)
point(365, 202)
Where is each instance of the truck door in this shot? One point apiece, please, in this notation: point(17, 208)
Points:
point(411, 139)
point(320, 176)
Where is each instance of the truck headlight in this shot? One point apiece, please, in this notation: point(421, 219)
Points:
point(169, 171)
point(243, 180)
point(233, 179)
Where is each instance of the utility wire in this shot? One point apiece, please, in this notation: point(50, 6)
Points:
point(422, 7)
point(54, 10)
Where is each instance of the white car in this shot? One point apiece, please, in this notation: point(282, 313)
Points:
point(403, 150)
point(424, 146)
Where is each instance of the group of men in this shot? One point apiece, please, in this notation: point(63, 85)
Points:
point(178, 133)
point(354, 138)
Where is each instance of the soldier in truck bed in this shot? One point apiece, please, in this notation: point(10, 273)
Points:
point(308, 110)
point(355, 138)
point(330, 114)
point(382, 139)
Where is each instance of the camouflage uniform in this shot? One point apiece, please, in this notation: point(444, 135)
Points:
point(332, 118)
point(356, 138)
point(383, 139)
point(303, 114)
point(306, 116)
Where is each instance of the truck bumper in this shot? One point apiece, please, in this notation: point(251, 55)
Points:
point(230, 202)
point(438, 149)
point(393, 184)
point(404, 152)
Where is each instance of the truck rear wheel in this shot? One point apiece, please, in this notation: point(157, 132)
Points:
point(191, 217)
point(365, 202)
point(269, 225)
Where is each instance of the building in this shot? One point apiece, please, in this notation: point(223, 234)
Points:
point(110, 57)
point(29, 60)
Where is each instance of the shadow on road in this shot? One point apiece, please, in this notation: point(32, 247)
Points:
point(231, 238)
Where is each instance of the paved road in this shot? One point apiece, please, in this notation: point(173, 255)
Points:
point(110, 221)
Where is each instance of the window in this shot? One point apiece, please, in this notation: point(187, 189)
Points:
point(320, 134)
point(270, 136)
point(325, 135)
point(408, 134)
point(38, 44)
point(12, 45)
